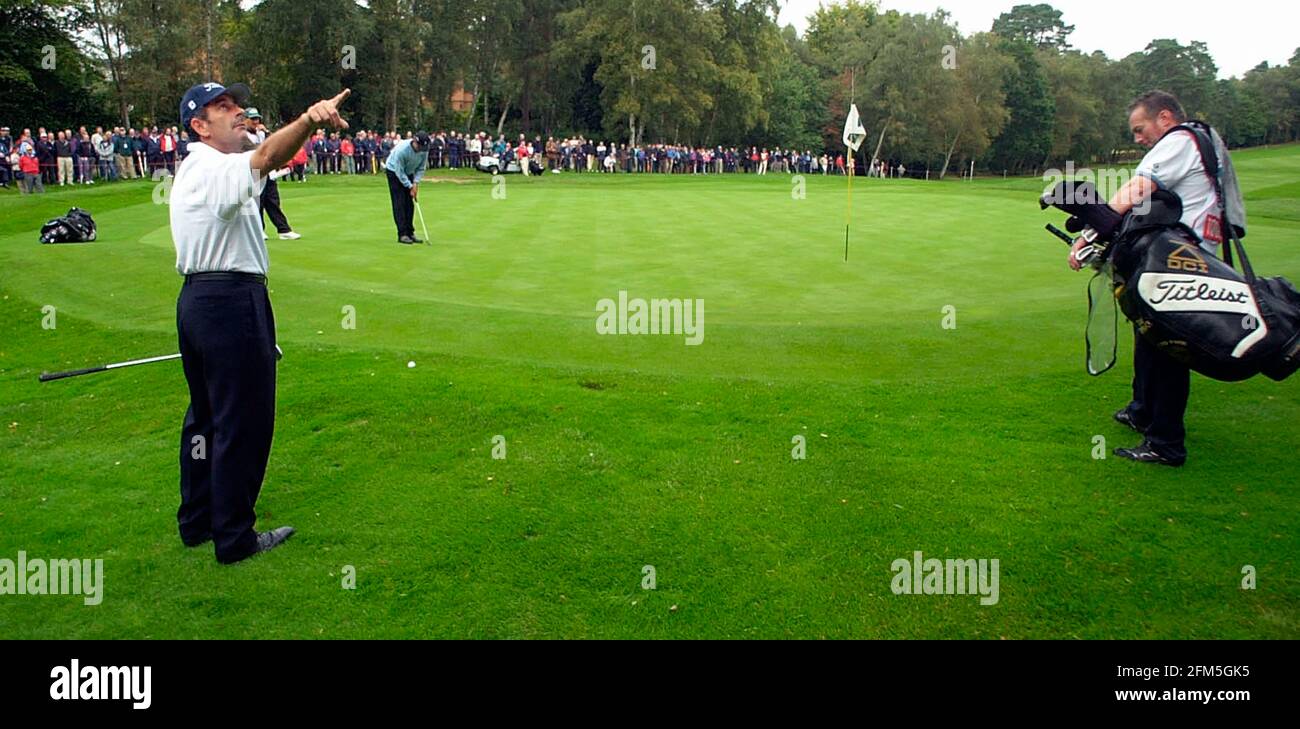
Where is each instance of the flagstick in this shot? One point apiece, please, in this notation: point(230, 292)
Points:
point(848, 217)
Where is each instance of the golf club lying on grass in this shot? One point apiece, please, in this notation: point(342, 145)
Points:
point(47, 377)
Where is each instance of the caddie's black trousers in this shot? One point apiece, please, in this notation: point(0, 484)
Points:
point(269, 203)
point(227, 342)
point(1161, 386)
point(403, 206)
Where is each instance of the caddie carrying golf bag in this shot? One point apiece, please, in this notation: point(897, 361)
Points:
point(1189, 303)
point(75, 227)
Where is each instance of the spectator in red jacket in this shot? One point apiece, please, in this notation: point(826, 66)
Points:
point(299, 162)
point(167, 145)
point(346, 149)
point(30, 166)
point(521, 154)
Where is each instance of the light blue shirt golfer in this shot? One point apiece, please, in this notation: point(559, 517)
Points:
point(407, 163)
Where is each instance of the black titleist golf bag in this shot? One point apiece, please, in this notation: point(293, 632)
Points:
point(75, 227)
point(1195, 307)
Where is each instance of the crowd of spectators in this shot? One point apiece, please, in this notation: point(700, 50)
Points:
point(67, 157)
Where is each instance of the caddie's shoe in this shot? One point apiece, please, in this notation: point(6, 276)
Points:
point(289, 236)
point(416, 240)
point(266, 541)
point(406, 240)
point(1125, 417)
point(1146, 453)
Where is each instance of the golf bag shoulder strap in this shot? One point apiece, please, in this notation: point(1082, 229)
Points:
point(1201, 132)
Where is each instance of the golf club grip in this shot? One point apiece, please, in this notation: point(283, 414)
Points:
point(1057, 232)
point(70, 373)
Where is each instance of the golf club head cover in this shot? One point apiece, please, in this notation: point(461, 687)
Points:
point(1086, 207)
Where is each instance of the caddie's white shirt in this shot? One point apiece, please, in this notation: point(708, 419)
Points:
point(1175, 164)
point(216, 225)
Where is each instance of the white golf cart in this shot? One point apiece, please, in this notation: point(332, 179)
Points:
point(492, 165)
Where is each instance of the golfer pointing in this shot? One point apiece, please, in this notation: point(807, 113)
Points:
point(223, 315)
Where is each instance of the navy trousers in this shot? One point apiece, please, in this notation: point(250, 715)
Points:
point(227, 342)
point(1161, 386)
point(403, 206)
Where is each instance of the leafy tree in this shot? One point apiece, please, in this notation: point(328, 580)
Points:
point(976, 112)
point(1026, 141)
point(655, 68)
point(1041, 25)
point(797, 106)
point(34, 36)
point(1188, 72)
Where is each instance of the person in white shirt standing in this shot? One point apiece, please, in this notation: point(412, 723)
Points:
point(223, 316)
point(269, 201)
point(1162, 385)
point(475, 150)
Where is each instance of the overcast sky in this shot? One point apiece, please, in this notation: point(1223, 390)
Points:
point(1240, 33)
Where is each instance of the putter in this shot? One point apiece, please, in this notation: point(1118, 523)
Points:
point(423, 227)
point(48, 377)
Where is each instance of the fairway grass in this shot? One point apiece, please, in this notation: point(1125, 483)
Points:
point(622, 452)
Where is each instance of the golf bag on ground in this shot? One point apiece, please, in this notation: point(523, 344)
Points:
point(75, 227)
point(1193, 306)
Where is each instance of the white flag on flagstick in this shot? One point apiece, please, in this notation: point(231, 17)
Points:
point(854, 133)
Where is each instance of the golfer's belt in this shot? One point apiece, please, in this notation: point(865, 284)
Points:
point(256, 278)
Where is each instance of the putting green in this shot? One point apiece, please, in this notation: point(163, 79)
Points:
point(630, 451)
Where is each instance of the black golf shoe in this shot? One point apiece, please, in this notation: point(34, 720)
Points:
point(406, 240)
point(1125, 417)
point(266, 541)
point(1146, 453)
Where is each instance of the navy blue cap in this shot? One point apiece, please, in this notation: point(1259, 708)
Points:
point(203, 94)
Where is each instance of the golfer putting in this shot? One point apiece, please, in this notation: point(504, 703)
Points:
point(405, 168)
point(224, 321)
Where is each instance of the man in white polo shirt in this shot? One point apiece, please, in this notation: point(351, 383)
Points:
point(223, 316)
point(1162, 385)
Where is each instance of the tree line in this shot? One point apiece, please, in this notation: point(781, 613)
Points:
point(1017, 97)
